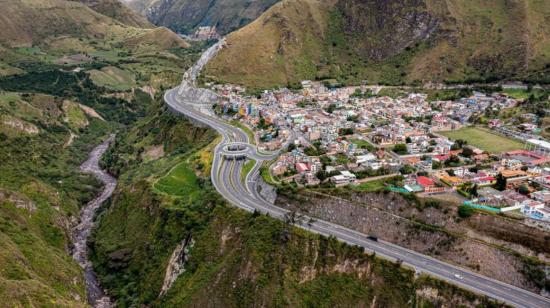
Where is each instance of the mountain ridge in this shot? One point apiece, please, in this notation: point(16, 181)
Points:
point(118, 11)
point(58, 20)
point(390, 42)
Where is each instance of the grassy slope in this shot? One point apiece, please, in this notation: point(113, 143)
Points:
point(41, 189)
point(392, 42)
point(113, 78)
point(60, 20)
point(282, 45)
point(119, 12)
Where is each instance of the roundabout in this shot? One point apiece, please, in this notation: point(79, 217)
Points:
point(236, 150)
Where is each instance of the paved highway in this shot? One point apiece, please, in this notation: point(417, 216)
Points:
point(227, 181)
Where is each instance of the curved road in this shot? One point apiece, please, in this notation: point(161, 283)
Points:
point(226, 178)
point(227, 181)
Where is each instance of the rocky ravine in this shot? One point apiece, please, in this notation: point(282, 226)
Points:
point(81, 232)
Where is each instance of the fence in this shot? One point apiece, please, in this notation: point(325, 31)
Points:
point(482, 207)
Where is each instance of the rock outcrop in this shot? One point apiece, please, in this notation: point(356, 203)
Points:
point(176, 264)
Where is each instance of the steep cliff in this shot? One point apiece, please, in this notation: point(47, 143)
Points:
point(186, 15)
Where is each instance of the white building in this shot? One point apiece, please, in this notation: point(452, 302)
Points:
point(538, 146)
point(344, 178)
point(536, 210)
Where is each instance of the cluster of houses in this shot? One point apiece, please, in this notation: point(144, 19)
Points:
point(513, 181)
point(347, 135)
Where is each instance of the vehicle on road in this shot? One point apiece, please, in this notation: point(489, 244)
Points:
point(372, 238)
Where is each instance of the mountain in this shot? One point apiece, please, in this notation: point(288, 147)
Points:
point(62, 24)
point(118, 11)
point(186, 15)
point(390, 42)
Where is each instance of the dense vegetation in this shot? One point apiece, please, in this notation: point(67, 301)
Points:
point(40, 191)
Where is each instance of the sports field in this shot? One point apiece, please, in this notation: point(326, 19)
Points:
point(484, 139)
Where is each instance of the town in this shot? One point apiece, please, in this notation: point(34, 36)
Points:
point(361, 138)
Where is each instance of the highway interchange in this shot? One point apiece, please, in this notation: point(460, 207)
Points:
point(226, 178)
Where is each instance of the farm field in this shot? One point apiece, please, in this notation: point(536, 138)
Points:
point(484, 139)
point(113, 78)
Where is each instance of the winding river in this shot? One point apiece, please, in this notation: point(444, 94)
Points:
point(80, 233)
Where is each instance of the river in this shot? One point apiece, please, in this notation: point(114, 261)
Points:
point(80, 233)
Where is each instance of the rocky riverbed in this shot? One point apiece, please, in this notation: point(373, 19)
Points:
point(81, 232)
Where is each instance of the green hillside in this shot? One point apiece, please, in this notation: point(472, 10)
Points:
point(390, 42)
point(69, 76)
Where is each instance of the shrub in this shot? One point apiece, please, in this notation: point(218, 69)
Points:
point(465, 211)
point(400, 149)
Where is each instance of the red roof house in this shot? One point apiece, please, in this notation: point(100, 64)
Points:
point(425, 181)
point(301, 167)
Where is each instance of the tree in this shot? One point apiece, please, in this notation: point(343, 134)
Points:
point(408, 140)
point(501, 182)
point(346, 131)
point(465, 211)
point(407, 169)
point(467, 152)
point(291, 147)
point(311, 151)
point(261, 124)
point(473, 191)
point(459, 144)
point(326, 161)
point(331, 108)
point(400, 149)
point(523, 189)
point(452, 161)
point(322, 175)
